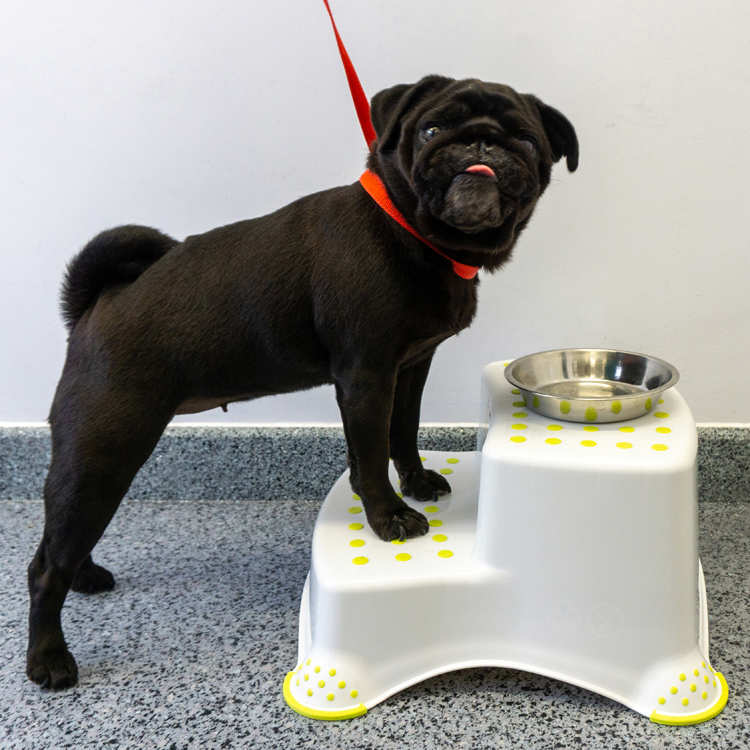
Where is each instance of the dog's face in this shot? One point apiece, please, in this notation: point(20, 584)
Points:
point(466, 161)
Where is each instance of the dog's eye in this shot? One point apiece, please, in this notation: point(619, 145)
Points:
point(430, 132)
point(528, 143)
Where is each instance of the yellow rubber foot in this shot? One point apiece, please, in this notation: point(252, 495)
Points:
point(316, 713)
point(698, 717)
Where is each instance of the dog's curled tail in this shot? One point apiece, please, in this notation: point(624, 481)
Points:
point(115, 256)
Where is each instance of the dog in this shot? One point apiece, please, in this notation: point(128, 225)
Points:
point(329, 289)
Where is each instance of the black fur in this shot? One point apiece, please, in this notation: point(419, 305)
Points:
point(115, 256)
point(325, 290)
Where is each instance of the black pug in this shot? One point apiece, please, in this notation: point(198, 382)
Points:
point(328, 289)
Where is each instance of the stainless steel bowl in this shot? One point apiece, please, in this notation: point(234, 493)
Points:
point(591, 385)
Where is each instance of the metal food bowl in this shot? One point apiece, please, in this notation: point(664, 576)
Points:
point(591, 385)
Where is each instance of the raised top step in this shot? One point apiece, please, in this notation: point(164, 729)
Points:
point(663, 439)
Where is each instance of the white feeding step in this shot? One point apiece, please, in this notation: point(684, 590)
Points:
point(564, 549)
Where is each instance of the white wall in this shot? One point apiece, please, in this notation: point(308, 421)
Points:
point(189, 115)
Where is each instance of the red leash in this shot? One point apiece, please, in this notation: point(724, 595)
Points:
point(369, 180)
point(360, 100)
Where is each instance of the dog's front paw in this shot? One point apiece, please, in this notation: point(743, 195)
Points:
point(403, 523)
point(424, 485)
point(52, 668)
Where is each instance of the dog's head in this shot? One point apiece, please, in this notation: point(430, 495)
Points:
point(466, 161)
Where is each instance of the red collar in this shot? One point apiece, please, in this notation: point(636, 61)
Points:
point(369, 180)
point(377, 191)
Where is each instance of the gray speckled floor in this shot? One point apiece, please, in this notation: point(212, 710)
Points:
point(250, 462)
point(191, 648)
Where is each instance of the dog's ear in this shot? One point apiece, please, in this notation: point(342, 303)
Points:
point(389, 106)
point(383, 105)
point(560, 133)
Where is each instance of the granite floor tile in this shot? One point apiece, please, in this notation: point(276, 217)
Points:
point(191, 648)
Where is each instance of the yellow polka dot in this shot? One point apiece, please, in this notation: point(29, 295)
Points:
point(660, 401)
point(451, 460)
point(355, 496)
point(685, 701)
point(616, 407)
point(332, 672)
point(309, 691)
point(515, 390)
point(446, 471)
point(519, 403)
point(704, 695)
point(356, 526)
point(624, 446)
point(705, 679)
point(518, 439)
point(648, 404)
point(591, 428)
point(435, 522)
point(317, 669)
point(354, 693)
point(659, 447)
point(565, 407)
point(431, 509)
point(298, 681)
point(696, 672)
point(682, 677)
point(445, 553)
point(520, 414)
point(403, 556)
point(307, 677)
point(673, 690)
point(662, 701)
point(439, 537)
point(308, 662)
point(342, 684)
point(422, 458)
point(519, 426)
point(714, 683)
point(535, 402)
point(321, 683)
point(361, 560)
point(703, 663)
point(627, 429)
point(692, 687)
point(588, 443)
point(330, 696)
point(357, 543)
point(355, 509)
point(397, 541)
point(661, 414)
point(591, 414)
point(663, 430)
point(555, 427)
point(553, 441)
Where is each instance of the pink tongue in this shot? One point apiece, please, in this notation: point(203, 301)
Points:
point(480, 169)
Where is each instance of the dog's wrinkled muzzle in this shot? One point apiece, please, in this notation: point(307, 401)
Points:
point(473, 202)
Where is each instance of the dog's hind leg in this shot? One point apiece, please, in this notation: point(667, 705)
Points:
point(91, 578)
point(100, 438)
